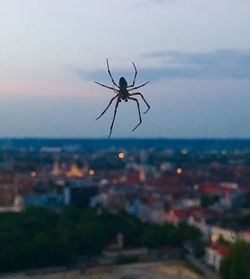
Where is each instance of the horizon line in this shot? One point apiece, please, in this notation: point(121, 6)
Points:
point(129, 139)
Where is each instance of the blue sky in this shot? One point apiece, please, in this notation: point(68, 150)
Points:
point(195, 53)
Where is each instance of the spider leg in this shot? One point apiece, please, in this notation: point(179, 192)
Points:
point(138, 107)
point(138, 86)
point(133, 84)
point(103, 85)
point(116, 106)
point(138, 93)
point(111, 74)
point(107, 107)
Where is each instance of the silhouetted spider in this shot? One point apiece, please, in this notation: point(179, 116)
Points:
point(123, 94)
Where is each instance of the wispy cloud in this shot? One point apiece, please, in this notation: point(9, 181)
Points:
point(220, 64)
point(213, 65)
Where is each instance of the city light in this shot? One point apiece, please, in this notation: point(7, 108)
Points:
point(184, 151)
point(91, 172)
point(121, 155)
point(179, 170)
point(33, 174)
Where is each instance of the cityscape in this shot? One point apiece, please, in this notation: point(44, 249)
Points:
point(124, 139)
point(185, 201)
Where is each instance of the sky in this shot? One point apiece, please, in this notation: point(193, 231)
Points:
point(195, 53)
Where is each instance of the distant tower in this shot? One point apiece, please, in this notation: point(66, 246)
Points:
point(142, 175)
point(143, 156)
point(67, 195)
point(120, 240)
point(18, 203)
point(56, 169)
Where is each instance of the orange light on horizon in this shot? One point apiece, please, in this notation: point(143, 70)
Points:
point(33, 174)
point(121, 155)
point(179, 170)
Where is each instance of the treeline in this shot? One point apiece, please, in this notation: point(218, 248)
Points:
point(237, 264)
point(38, 237)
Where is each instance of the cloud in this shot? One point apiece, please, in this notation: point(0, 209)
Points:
point(219, 64)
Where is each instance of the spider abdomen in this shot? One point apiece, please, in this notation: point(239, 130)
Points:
point(124, 94)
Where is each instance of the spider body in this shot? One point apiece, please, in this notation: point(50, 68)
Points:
point(122, 93)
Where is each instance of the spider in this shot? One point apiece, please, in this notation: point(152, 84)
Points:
point(122, 93)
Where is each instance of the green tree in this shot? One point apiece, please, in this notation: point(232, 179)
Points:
point(209, 200)
point(237, 264)
point(247, 201)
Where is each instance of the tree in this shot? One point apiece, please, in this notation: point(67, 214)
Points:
point(206, 201)
point(237, 264)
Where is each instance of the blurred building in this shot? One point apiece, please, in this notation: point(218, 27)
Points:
point(79, 195)
point(228, 234)
point(49, 201)
point(215, 253)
